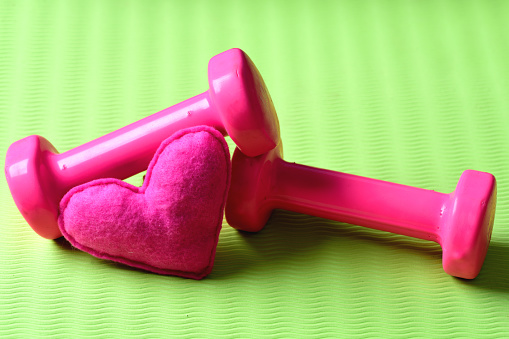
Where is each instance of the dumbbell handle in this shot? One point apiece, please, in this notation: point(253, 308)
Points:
point(128, 150)
point(357, 200)
point(460, 221)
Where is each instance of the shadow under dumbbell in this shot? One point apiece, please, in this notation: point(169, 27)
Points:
point(288, 236)
point(495, 271)
point(289, 239)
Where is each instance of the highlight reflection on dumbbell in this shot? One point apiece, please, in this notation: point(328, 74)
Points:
point(237, 104)
point(461, 222)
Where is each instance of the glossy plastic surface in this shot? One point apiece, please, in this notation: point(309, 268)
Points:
point(237, 103)
point(239, 93)
point(35, 192)
point(461, 222)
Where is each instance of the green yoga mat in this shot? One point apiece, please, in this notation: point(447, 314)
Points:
point(412, 92)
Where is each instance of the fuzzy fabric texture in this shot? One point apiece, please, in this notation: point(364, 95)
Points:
point(169, 225)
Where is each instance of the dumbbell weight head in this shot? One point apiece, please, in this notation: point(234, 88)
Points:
point(239, 93)
point(249, 203)
point(31, 183)
point(467, 225)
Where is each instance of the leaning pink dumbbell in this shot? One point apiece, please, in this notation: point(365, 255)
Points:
point(461, 222)
point(237, 104)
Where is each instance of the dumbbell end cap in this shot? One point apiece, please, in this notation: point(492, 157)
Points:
point(468, 226)
point(239, 93)
point(249, 206)
point(31, 186)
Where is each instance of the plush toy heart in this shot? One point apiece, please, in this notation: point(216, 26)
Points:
point(171, 224)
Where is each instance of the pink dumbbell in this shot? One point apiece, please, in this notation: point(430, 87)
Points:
point(237, 103)
point(461, 222)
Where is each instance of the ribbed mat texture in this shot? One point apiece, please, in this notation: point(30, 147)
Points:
point(412, 92)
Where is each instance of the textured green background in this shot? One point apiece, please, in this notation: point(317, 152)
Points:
point(413, 92)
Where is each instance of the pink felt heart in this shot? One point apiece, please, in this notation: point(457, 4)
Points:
point(171, 224)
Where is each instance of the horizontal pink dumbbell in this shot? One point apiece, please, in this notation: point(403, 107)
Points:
point(461, 222)
point(237, 103)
